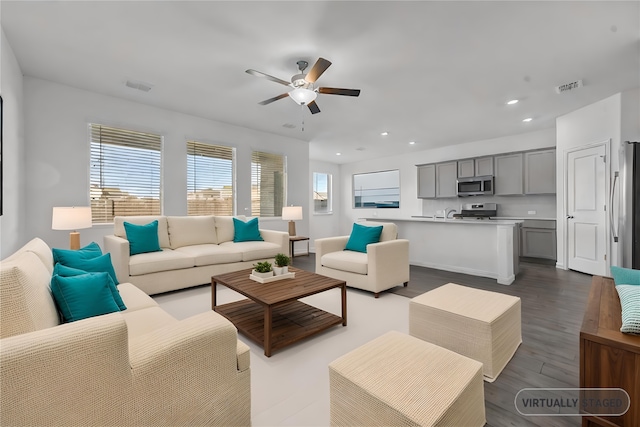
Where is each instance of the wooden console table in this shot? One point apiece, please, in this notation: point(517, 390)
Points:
point(609, 358)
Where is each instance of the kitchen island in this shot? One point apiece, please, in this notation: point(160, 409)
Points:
point(480, 247)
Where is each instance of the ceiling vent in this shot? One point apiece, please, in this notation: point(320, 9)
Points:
point(143, 86)
point(568, 86)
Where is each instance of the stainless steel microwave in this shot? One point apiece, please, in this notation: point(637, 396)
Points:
point(475, 186)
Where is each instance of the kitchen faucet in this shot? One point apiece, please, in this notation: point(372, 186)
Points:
point(448, 212)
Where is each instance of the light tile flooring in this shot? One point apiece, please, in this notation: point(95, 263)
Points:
point(291, 388)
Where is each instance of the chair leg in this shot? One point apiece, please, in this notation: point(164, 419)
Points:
point(376, 294)
point(405, 284)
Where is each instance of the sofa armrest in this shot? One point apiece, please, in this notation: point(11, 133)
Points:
point(51, 376)
point(389, 261)
point(119, 250)
point(190, 366)
point(327, 245)
point(280, 238)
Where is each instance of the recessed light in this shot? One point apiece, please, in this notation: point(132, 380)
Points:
point(338, 154)
point(528, 119)
point(513, 101)
point(384, 133)
point(412, 142)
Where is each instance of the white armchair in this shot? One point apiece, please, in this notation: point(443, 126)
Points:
point(383, 266)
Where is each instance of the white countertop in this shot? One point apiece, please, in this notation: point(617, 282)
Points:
point(469, 221)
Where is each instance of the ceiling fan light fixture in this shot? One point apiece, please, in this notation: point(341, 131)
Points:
point(303, 96)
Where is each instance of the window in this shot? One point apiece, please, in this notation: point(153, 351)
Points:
point(209, 179)
point(322, 193)
point(268, 188)
point(377, 189)
point(125, 173)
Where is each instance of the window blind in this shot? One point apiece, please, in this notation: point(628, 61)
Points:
point(268, 184)
point(210, 189)
point(125, 173)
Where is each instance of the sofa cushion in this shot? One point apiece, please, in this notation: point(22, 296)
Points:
point(26, 303)
point(83, 296)
point(38, 247)
point(252, 251)
point(191, 230)
point(211, 254)
point(94, 265)
point(142, 238)
point(361, 236)
point(352, 261)
point(225, 228)
point(152, 262)
point(246, 231)
point(135, 298)
point(625, 276)
point(163, 233)
point(147, 320)
point(630, 305)
point(64, 271)
point(64, 256)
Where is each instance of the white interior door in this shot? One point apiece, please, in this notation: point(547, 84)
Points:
point(586, 214)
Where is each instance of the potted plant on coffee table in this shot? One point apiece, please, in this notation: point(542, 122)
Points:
point(262, 270)
point(282, 262)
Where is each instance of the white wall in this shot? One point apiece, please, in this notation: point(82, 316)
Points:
point(409, 203)
point(57, 153)
point(12, 222)
point(595, 123)
point(324, 225)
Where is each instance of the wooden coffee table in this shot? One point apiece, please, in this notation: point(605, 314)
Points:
point(271, 315)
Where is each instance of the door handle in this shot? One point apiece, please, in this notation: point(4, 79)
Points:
point(569, 216)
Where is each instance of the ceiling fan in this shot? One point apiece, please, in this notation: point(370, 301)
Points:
point(304, 91)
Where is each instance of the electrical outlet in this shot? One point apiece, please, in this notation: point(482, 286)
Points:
point(532, 212)
point(375, 213)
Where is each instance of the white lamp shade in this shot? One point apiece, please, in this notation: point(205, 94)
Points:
point(303, 96)
point(292, 213)
point(71, 218)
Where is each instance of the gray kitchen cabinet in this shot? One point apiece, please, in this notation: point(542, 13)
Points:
point(508, 174)
point(540, 172)
point(446, 179)
point(483, 166)
point(538, 239)
point(466, 168)
point(426, 181)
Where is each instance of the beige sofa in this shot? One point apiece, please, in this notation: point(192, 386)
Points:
point(194, 248)
point(384, 265)
point(138, 367)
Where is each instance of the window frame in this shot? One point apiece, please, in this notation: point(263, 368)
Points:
point(234, 186)
point(329, 177)
point(131, 138)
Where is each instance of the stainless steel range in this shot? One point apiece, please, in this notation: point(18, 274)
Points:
point(479, 210)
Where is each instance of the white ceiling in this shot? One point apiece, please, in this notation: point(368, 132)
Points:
point(437, 73)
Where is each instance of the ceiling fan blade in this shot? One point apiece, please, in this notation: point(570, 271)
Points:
point(275, 98)
point(319, 67)
point(336, 91)
point(313, 107)
point(268, 77)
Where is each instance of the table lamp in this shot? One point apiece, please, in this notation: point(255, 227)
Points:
point(72, 218)
point(291, 214)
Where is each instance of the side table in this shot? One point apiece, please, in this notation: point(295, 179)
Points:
point(292, 240)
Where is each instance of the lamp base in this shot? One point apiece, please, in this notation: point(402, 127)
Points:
point(292, 228)
point(74, 240)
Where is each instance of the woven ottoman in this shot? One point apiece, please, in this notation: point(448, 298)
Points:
point(479, 324)
point(399, 380)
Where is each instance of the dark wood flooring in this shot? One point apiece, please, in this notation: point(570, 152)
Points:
point(553, 304)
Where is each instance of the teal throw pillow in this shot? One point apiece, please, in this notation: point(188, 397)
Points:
point(246, 231)
point(630, 303)
point(92, 250)
point(64, 271)
point(361, 236)
point(142, 238)
point(83, 296)
point(95, 265)
point(625, 276)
